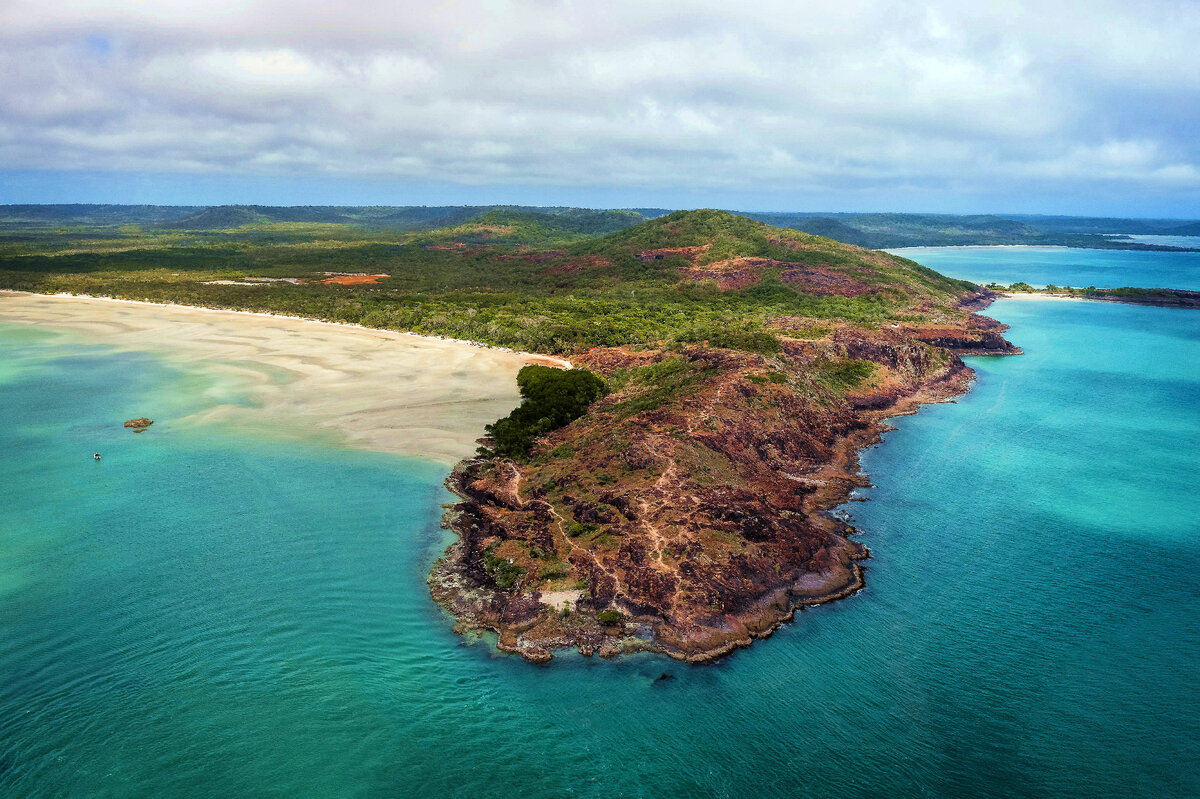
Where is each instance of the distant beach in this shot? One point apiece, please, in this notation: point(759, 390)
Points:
point(1021, 295)
point(377, 389)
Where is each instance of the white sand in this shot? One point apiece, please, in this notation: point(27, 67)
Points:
point(372, 389)
point(556, 599)
point(1022, 296)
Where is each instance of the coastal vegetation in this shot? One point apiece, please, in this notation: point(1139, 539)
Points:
point(949, 230)
point(725, 373)
point(504, 278)
point(1135, 296)
point(552, 398)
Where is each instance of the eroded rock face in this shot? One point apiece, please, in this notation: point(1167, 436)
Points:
point(693, 516)
point(980, 336)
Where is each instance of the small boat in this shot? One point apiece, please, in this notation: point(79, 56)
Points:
point(96, 456)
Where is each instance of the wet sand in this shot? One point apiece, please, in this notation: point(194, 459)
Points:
point(370, 389)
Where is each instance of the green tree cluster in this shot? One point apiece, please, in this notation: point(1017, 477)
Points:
point(505, 573)
point(552, 398)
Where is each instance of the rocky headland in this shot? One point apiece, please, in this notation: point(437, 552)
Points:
point(687, 513)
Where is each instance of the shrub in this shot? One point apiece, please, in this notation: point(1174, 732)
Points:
point(554, 571)
point(811, 332)
point(845, 373)
point(503, 572)
point(576, 529)
point(608, 618)
point(733, 337)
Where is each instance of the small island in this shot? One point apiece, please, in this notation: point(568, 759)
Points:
point(139, 425)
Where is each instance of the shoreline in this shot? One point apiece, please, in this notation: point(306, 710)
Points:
point(830, 486)
point(549, 360)
point(380, 390)
point(1155, 298)
point(1017, 295)
point(1144, 247)
point(527, 626)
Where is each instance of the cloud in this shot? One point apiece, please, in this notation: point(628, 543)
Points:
point(791, 99)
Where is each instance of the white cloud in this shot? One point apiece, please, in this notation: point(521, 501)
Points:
point(698, 94)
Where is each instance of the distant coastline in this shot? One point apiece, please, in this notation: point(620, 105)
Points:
point(1126, 246)
point(1162, 298)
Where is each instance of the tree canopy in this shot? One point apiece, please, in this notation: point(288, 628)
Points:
point(553, 398)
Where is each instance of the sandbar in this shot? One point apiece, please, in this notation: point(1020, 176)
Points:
point(371, 389)
point(1022, 295)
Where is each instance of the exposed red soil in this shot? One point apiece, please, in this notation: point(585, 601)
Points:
point(608, 359)
point(823, 281)
point(743, 272)
point(702, 517)
point(353, 280)
point(690, 253)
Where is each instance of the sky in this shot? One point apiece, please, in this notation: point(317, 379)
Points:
point(1085, 107)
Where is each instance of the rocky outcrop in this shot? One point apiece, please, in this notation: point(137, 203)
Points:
point(980, 335)
point(687, 513)
point(139, 425)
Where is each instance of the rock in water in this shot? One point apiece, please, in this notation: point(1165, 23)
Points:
point(140, 424)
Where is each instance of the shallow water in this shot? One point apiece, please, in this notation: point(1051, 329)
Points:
point(203, 613)
point(1062, 266)
point(1191, 242)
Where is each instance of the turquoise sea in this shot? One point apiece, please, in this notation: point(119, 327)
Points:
point(205, 614)
point(1063, 266)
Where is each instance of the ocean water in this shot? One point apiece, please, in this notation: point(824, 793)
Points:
point(1062, 266)
point(1192, 242)
point(206, 614)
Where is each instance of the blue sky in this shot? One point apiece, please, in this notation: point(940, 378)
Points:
point(1081, 107)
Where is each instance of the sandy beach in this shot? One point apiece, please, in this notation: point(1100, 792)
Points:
point(371, 389)
point(1016, 295)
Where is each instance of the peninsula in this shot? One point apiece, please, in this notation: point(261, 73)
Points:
point(671, 491)
point(686, 512)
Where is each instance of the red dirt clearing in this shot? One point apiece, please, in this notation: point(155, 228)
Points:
point(353, 280)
